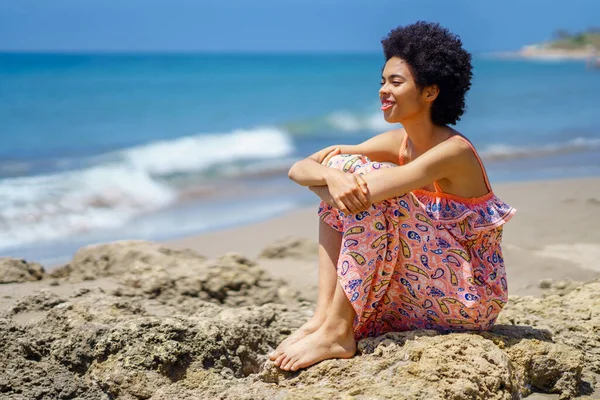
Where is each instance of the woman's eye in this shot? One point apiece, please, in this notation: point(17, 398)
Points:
point(397, 83)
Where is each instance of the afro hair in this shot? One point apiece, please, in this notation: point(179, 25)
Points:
point(435, 56)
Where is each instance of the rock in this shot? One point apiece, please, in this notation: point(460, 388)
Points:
point(14, 271)
point(43, 300)
point(560, 288)
point(127, 352)
point(231, 280)
point(123, 257)
point(572, 318)
point(291, 247)
point(545, 283)
point(176, 277)
point(560, 285)
point(203, 328)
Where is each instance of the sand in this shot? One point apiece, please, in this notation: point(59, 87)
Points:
point(554, 235)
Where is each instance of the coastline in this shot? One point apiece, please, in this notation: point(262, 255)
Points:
point(541, 53)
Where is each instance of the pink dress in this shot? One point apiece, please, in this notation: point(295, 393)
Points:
point(423, 260)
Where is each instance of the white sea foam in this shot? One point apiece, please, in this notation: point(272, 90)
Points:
point(505, 152)
point(376, 122)
point(345, 121)
point(349, 122)
point(108, 195)
point(195, 153)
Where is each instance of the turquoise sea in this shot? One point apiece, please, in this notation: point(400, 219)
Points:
point(98, 147)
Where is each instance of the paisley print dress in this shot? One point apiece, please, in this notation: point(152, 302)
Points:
point(423, 260)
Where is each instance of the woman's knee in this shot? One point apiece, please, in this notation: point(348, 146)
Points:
point(347, 162)
point(373, 166)
point(356, 163)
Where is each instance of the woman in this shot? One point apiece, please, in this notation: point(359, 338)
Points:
point(409, 224)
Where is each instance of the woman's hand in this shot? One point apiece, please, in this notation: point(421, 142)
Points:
point(348, 191)
point(323, 193)
point(330, 154)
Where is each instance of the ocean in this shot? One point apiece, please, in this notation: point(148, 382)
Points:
point(100, 147)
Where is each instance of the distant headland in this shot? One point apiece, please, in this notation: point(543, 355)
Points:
point(563, 46)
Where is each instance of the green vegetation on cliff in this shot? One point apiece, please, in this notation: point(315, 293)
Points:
point(572, 41)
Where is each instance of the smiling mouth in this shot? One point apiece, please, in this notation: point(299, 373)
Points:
point(386, 104)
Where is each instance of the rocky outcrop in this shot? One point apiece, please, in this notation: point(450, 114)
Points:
point(14, 271)
point(181, 326)
point(124, 257)
point(291, 247)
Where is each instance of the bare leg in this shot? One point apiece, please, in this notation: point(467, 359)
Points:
point(333, 339)
point(330, 242)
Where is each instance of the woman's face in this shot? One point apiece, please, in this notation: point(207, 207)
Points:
point(401, 99)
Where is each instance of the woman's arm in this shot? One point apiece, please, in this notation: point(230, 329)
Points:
point(383, 147)
point(323, 193)
point(445, 161)
point(310, 171)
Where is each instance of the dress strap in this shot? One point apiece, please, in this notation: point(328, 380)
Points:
point(402, 150)
point(487, 182)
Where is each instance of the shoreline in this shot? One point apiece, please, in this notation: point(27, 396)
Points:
point(249, 238)
point(535, 53)
point(553, 237)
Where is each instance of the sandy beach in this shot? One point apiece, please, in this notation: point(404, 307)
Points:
point(554, 235)
point(189, 319)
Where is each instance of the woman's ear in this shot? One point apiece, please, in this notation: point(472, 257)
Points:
point(431, 93)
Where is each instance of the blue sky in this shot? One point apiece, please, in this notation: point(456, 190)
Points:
point(274, 26)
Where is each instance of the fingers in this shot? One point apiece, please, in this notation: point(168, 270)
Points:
point(354, 204)
point(362, 183)
point(351, 204)
point(363, 191)
point(341, 206)
point(354, 199)
point(344, 203)
point(328, 157)
point(359, 195)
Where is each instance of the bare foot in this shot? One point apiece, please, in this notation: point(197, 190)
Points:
point(321, 345)
point(309, 327)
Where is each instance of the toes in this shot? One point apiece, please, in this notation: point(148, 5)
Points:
point(274, 355)
point(284, 363)
point(279, 360)
point(289, 363)
point(295, 366)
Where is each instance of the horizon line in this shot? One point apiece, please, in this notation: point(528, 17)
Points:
point(216, 52)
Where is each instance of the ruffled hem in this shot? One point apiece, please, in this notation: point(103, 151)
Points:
point(488, 213)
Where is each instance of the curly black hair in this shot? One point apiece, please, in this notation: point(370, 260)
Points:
point(435, 56)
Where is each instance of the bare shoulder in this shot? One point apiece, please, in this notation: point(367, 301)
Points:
point(458, 149)
point(395, 135)
point(465, 150)
point(467, 177)
point(384, 147)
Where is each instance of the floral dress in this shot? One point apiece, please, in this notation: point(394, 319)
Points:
point(423, 260)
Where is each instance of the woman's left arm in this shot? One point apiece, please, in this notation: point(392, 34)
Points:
point(443, 161)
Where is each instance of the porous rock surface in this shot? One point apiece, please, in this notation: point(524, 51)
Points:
point(14, 270)
point(293, 247)
point(179, 326)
